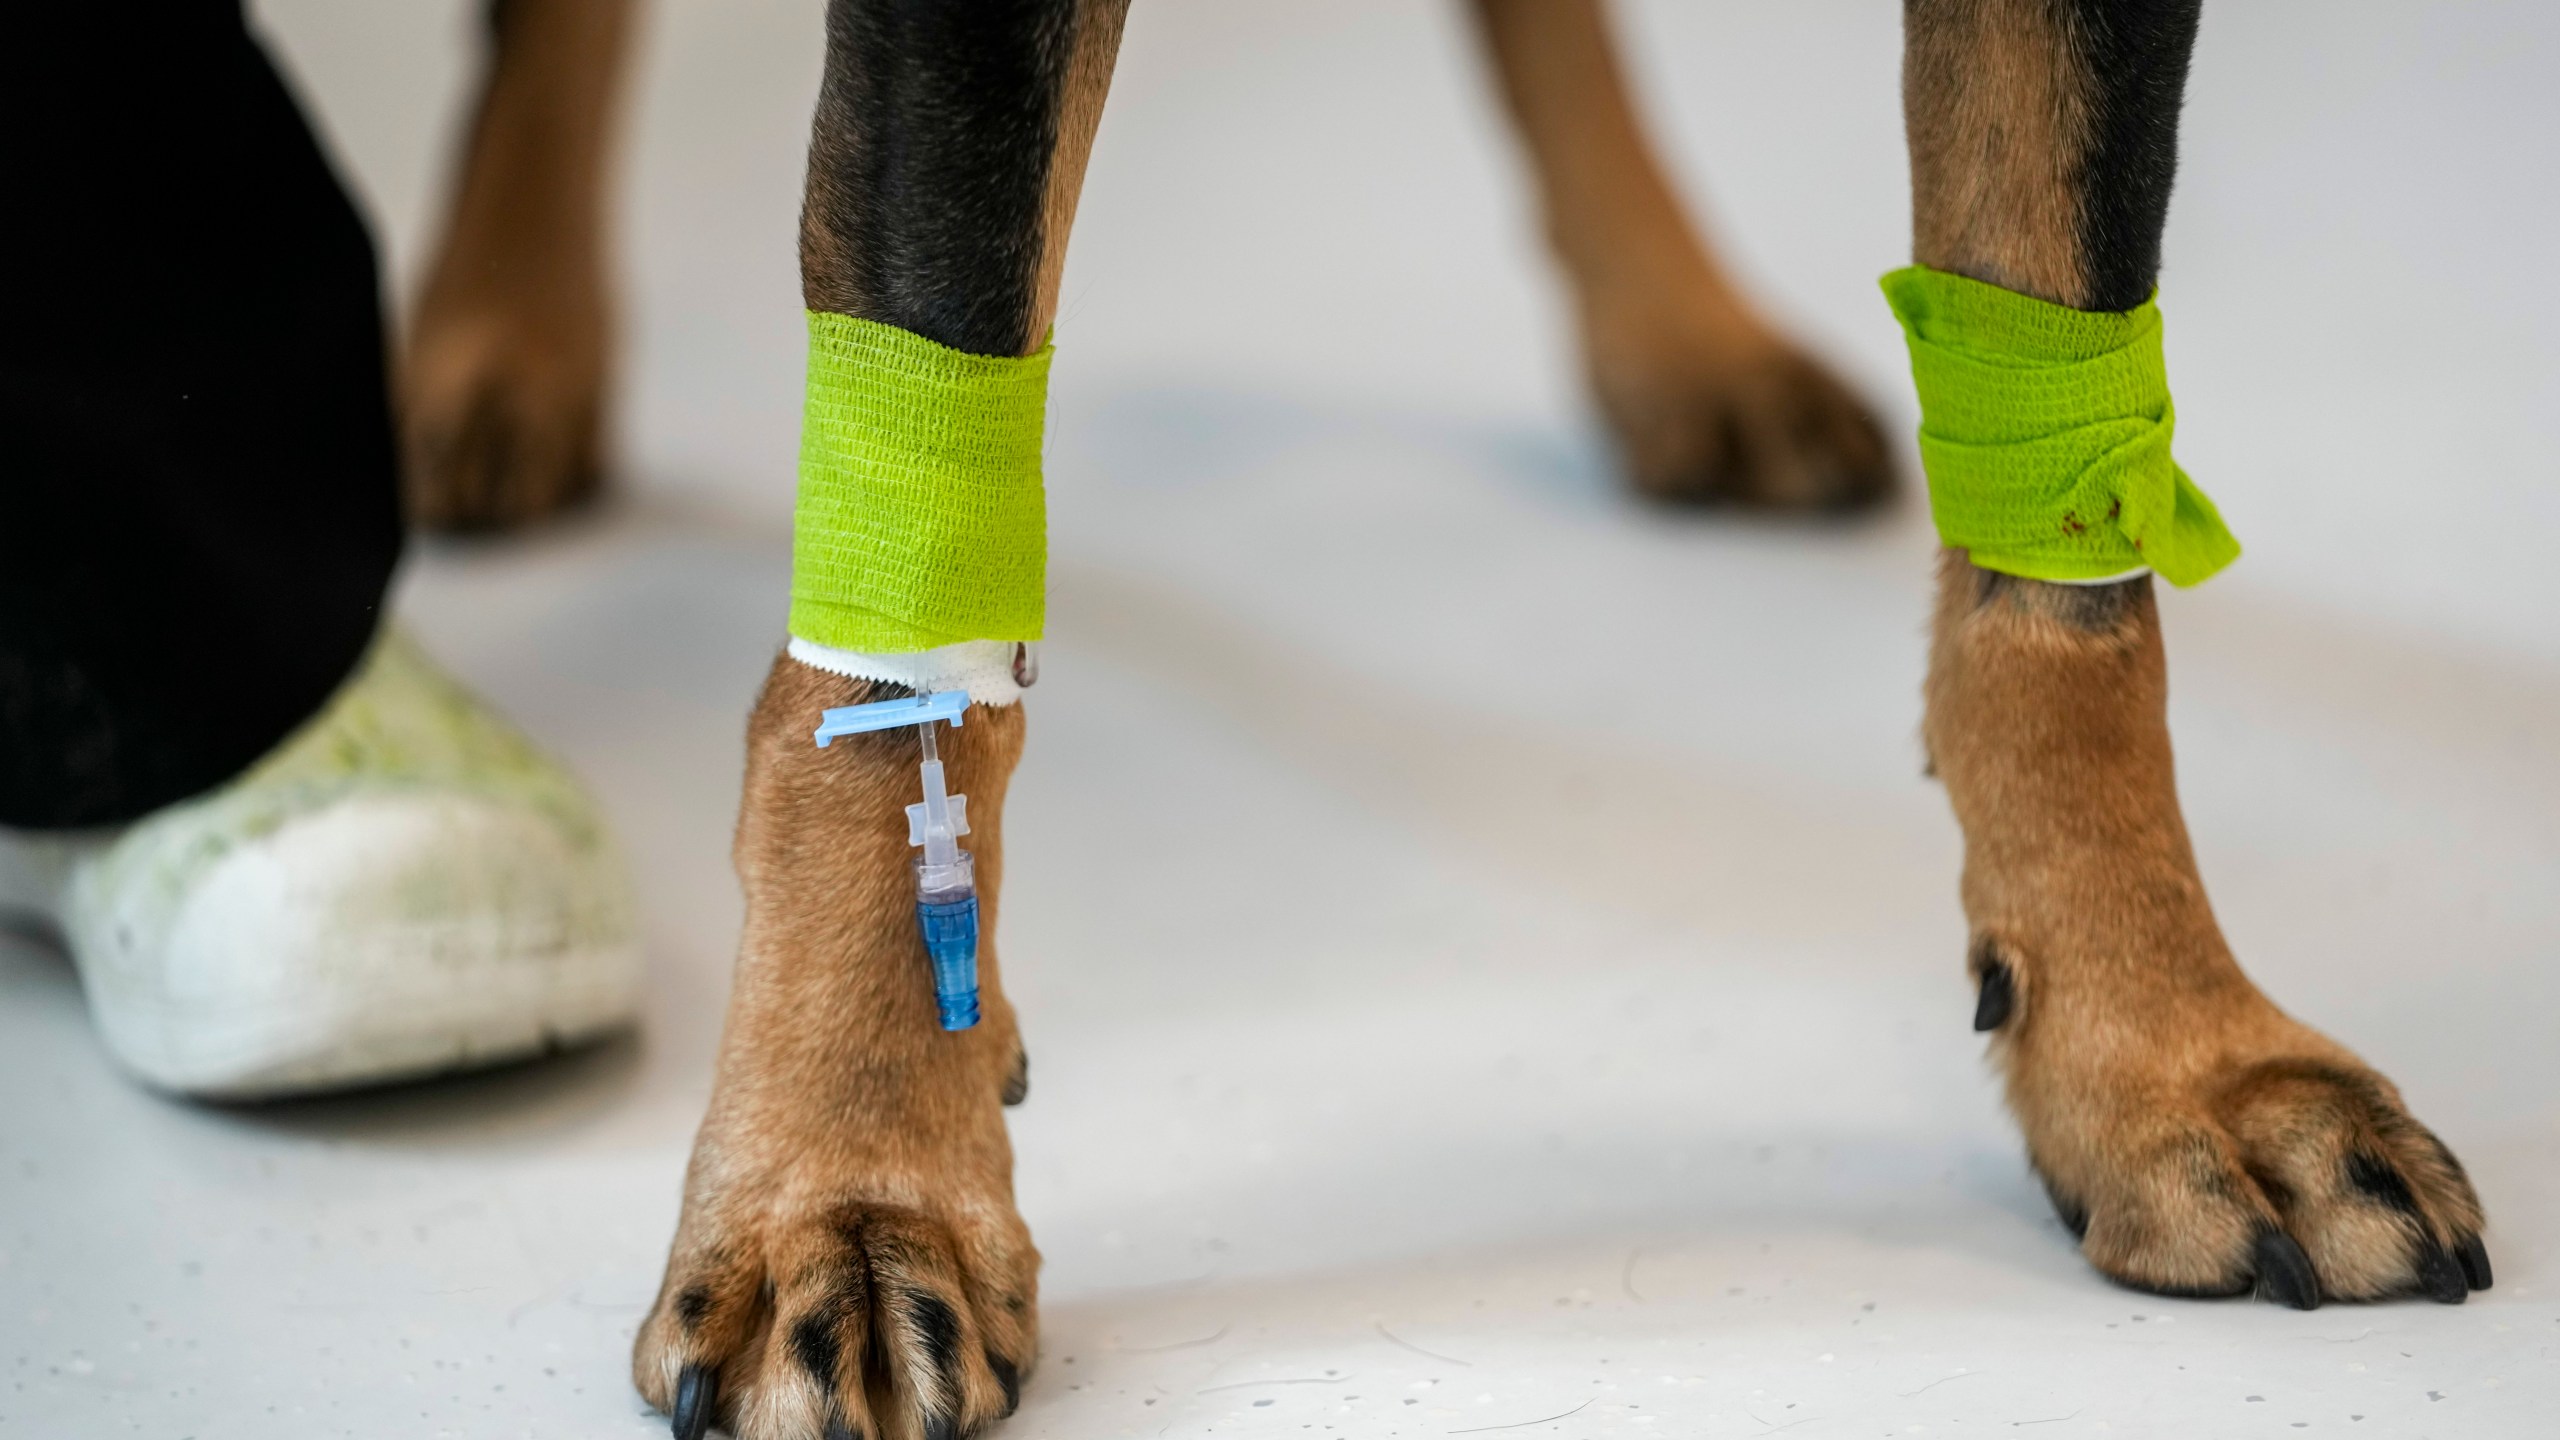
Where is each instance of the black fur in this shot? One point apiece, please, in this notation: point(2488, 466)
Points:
point(930, 163)
point(199, 501)
point(2135, 54)
point(814, 1345)
point(2373, 1175)
point(692, 1305)
point(937, 1328)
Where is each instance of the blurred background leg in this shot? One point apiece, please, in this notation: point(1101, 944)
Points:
point(509, 357)
point(1707, 401)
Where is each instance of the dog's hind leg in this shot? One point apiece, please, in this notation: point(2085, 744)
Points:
point(2198, 1139)
point(503, 379)
point(849, 1261)
point(1707, 400)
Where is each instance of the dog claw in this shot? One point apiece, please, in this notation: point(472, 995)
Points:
point(1999, 994)
point(696, 1389)
point(2475, 1261)
point(2439, 1278)
point(2285, 1275)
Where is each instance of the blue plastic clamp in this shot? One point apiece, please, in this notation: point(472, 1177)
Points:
point(890, 714)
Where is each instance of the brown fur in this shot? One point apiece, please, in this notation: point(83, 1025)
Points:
point(853, 1173)
point(1097, 49)
point(2163, 1097)
point(505, 379)
point(1707, 400)
point(1996, 115)
point(853, 1169)
point(502, 387)
point(849, 1259)
point(2171, 1107)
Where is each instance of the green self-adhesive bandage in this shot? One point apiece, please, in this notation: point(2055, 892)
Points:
point(2045, 434)
point(920, 521)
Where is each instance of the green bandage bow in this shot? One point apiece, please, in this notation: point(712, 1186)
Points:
point(921, 521)
point(2045, 434)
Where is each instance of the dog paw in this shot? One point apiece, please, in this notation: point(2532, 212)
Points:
point(849, 1262)
point(501, 412)
point(2202, 1155)
point(1711, 418)
point(2199, 1140)
point(821, 1319)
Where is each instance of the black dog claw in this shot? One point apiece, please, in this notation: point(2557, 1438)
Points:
point(2439, 1278)
point(1999, 993)
point(696, 1388)
point(2475, 1261)
point(2285, 1275)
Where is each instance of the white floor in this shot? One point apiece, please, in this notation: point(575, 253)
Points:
point(1488, 952)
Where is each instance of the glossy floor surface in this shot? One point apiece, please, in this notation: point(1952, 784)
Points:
point(1489, 955)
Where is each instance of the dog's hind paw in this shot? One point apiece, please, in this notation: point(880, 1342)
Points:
point(1709, 416)
point(501, 405)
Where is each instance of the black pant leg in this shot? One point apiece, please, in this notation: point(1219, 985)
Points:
point(199, 507)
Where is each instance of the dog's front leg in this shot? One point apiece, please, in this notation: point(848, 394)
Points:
point(849, 1261)
point(2200, 1140)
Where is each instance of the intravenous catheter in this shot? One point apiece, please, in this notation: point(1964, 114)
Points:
point(946, 881)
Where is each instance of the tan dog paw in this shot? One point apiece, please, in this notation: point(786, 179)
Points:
point(859, 1318)
point(850, 1262)
point(2198, 1139)
point(2203, 1143)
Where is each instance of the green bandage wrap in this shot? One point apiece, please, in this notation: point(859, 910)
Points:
point(2045, 434)
point(921, 521)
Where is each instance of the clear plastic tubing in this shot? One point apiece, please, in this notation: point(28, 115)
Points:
point(946, 893)
point(946, 880)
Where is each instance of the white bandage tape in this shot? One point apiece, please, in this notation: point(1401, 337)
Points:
point(984, 668)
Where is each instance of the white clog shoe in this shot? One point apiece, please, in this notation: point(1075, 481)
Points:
point(405, 886)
